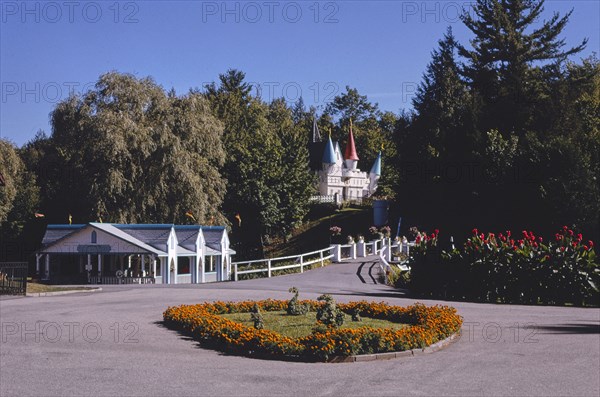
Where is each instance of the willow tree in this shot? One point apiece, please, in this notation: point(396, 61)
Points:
point(132, 153)
point(19, 196)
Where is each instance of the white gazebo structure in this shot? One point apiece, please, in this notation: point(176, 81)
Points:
point(109, 253)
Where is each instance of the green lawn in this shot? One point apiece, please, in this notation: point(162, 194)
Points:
point(314, 233)
point(299, 326)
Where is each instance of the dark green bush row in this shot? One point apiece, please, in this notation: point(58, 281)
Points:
point(502, 268)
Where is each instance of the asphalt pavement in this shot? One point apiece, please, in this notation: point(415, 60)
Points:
point(112, 343)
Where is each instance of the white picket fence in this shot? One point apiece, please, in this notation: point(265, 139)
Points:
point(336, 252)
point(385, 257)
point(300, 261)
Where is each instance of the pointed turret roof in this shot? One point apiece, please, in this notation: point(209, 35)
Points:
point(350, 153)
point(316, 135)
point(329, 153)
point(376, 169)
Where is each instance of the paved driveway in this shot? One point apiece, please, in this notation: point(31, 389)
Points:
point(112, 343)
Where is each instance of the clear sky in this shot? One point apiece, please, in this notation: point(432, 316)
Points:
point(309, 48)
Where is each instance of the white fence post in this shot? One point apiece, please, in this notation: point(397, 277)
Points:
point(353, 251)
point(337, 253)
point(301, 264)
point(269, 267)
point(235, 275)
point(362, 251)
point(322, 262)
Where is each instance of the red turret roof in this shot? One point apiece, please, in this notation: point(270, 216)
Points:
point(350, 153)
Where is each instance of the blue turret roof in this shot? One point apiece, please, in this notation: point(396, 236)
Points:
point(329, 153)
point(376, 169)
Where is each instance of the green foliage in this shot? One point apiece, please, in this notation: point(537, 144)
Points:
point(501, 268)
point(267, 160)
point(257, 318)
point(328, 313)
point(19, 197)
point(505, 122)
point(294, 307)
point(128, 152)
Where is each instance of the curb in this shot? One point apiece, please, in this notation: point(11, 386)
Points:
point(391, 355)
point(57, 293)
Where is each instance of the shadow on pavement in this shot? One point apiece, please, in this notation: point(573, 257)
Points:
point(569, 329)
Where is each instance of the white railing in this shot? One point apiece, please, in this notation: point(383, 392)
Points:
point(322, 199)
point(385, 256)
point(382, 248)
point(300, 261)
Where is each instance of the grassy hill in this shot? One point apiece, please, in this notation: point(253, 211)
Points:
point(314, 234)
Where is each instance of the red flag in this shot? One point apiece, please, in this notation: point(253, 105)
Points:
point(38, 215)
point(239, 219)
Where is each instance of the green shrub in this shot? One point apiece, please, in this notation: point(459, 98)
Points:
point(294, 307)
point(499, 268)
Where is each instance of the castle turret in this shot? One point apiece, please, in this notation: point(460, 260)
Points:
point(328, 154)
point(375, 174)
point(351, 158)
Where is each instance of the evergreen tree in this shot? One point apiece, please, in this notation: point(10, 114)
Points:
point(509, 57)
point(267, 160)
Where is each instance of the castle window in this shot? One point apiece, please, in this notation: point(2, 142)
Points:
point(94, 237)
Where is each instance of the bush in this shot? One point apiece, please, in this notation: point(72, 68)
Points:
point(499, 268)
point(294, 308)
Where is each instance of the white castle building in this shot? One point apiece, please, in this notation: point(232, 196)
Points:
point(340, 179)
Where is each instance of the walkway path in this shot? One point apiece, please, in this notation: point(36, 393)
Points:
point(526, 350)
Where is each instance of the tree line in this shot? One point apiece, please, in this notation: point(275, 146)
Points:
point(504, 132)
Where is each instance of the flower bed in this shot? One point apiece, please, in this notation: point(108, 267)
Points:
point(428, 325)
point(525, 269)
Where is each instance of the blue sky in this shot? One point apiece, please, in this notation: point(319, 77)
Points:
point(308, 48)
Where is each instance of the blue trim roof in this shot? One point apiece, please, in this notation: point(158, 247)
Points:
point(376, 169)
point(329, 154)
point(151, 237)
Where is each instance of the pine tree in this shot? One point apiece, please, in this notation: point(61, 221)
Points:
point(506, 64)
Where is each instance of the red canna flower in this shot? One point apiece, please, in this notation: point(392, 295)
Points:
point(515, 248)
point(508, 233)
point(475, 231)
point(481, 236)
point(437, 231)
point(591, 244)
point(580, 237)
point(565, 228)
point(585, 247)
point(547, 257)
point(562, 249)
point(570, 232)
point(535, 244)
point(540, 239)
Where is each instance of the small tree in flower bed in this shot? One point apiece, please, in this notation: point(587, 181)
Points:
point(517, 269)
